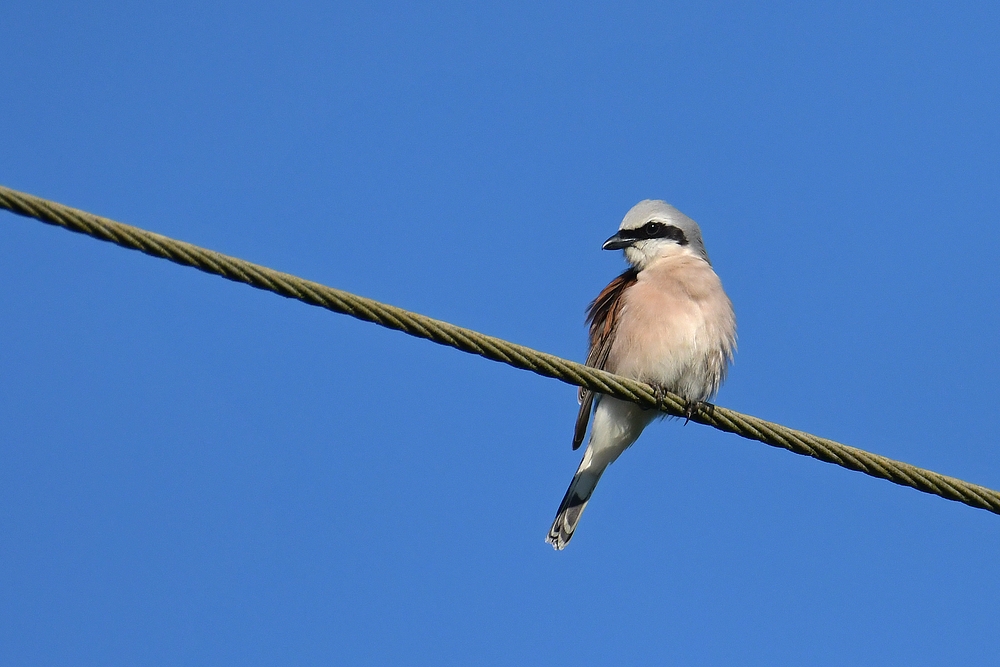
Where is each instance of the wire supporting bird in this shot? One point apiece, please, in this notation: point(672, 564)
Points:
point(666, 321)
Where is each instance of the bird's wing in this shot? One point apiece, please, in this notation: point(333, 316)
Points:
point(602, 315)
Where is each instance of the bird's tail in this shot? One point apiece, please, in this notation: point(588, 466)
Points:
point(573, 503)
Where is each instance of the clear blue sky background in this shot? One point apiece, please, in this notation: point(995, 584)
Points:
point(195, 472)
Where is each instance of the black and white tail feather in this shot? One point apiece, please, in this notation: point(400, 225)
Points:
point(571, 508)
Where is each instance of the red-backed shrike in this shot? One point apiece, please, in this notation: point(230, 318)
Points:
point(665, 321)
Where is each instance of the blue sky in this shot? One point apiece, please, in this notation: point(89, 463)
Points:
point(194, 472)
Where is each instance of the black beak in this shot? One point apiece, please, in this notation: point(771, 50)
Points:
point(617, 242)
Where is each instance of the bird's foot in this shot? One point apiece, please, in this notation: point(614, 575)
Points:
point(659, 394)
point(691, 407)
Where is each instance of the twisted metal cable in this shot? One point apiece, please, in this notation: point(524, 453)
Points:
point(496, 349)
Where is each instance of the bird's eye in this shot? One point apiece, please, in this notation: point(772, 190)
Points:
point(652, 229)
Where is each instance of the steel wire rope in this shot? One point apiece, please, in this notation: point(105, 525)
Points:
point(496, 349)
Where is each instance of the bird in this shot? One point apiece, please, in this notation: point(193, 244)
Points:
point(666, 321)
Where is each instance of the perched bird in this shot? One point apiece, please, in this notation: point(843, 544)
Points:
point(665, 321)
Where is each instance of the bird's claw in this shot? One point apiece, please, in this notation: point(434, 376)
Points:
point(691, 407)
point(659, 394)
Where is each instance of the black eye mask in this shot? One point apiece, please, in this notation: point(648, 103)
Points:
point(655, 230)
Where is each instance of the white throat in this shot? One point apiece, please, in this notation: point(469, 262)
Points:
point(644, 253)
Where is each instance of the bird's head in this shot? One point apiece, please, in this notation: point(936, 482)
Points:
point(653, 229)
